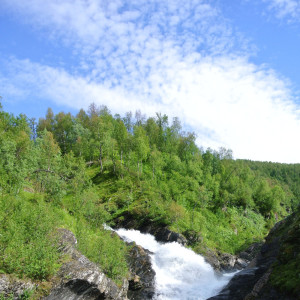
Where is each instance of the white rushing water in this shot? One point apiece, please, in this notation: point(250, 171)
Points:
point(181, 274)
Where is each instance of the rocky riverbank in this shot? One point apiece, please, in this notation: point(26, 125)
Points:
point(274, 272)
point(79, 278)
point(221, 262)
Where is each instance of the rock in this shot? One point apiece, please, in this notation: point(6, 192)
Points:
point(251, 251)
point(80, 278)
point(165, 235)
point(224, 262)
point(142, 281)
point(211, 258)
point(13, 287)
point(161, 233)
point(227, 262)
point(193, 237)
point(237, 287)
point(240, 263)
point(254, 281)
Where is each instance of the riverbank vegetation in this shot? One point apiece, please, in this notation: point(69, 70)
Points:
point(82, 171)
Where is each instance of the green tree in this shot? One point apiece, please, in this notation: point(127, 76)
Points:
point(48, 173)
point(141, 146)
point(46, 123)
point(62, 131)
point(121, 137)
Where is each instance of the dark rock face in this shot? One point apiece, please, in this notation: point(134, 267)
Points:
point(161, 233)
point(251, 251)
point(13, 288)
point(81, 279)
point(225, 262)
point(254, 282)
point(142, 281)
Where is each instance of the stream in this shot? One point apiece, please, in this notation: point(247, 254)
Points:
point(181, 274)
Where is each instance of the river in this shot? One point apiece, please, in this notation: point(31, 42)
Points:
point(181, 274)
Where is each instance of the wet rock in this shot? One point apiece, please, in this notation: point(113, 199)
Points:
point(227, 262)
point(142, 281)
point(81, 279)
point(165, 235)
point(224, 262)
point(14, 288)
point(161, 233)
point(240, 263)
point(237, 286)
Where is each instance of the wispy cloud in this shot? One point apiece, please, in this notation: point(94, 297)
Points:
point(228, 102)
point(116, 37)
point(178, 57)
point(285, 9)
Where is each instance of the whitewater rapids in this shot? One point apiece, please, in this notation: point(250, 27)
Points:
point(181, 274)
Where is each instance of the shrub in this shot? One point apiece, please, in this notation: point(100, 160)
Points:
point(28, 246)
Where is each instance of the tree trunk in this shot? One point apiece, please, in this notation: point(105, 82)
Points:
point(100, 158)
point(153, 171)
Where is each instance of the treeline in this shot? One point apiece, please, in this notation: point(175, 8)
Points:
point(156, 150)
point(96, 167)
point(286, 174)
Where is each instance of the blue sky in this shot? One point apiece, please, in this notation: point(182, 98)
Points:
point(228, 69)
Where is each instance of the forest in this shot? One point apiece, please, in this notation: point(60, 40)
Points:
point(80, 172)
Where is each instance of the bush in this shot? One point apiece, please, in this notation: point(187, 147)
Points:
point(104, 248)
point(28, 246)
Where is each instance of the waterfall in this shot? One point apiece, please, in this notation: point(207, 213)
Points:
point(181, 274)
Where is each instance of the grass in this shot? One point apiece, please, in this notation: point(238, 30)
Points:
point(28, 243)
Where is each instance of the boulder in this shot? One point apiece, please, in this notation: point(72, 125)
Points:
point(14, 288)
point(142, 281)
point(81, 279)
point(163, 234)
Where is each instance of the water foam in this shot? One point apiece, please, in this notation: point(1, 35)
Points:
point(181, 274)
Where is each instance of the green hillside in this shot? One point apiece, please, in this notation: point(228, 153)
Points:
point(81, 171)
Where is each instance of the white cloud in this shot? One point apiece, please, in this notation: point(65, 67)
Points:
point(177, 57)
point(227, 102)
point(285, 9)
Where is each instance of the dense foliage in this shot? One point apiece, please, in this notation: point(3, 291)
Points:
point(82, 171)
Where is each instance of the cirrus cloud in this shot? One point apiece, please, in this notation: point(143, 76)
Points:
point(179, 58)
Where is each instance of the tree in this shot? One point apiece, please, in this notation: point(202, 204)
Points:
point(156, 160)
point(128, 121)
point(140, 118)
point(141, 145)
point(121, 137)
point(162, 122)
point(187, 147)
point(48, 162)
point(93, 110)
point(102, 129)
point(80, 137)
point(15, 148)
point(47, 123)
point(62, 131)
point(152, 131)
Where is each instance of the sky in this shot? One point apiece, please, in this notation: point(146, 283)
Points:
point(228, 69)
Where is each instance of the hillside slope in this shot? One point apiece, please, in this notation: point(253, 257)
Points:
point(275, 271)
